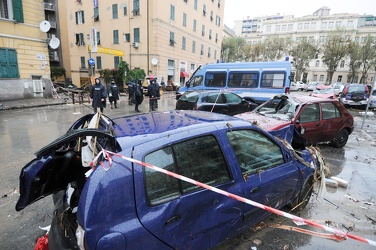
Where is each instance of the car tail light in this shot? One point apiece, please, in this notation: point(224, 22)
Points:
point(344, 91)
point(80, 236)
point(287, 90)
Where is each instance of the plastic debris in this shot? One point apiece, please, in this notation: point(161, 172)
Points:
point(341, 182)
point(331, 183)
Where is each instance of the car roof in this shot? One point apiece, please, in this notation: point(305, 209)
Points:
point(140, 128)
point(304, 99)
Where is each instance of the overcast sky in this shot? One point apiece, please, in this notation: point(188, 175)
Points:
point(240, 9)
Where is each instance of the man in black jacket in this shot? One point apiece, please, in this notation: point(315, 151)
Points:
point(98, 95)
point(153, 93)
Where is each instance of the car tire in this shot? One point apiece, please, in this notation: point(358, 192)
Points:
point(341, 139)
point(304, 195)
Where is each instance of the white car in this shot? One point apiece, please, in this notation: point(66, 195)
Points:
point(311, 86)
point(372, 100)
point(300, 86)
point(338, 88)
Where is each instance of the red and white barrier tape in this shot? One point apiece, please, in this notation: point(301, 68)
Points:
point(107, 155)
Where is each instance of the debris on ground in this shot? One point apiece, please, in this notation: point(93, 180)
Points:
point(341, 182)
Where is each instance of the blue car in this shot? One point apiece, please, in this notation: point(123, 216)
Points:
point(118, 203)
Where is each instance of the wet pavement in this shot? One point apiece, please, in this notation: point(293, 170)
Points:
point(23, 131)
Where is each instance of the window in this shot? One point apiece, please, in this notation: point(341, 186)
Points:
point(306, 26)
point(183, 43)
point(98, 38)
point(172, 38)
point(193, 47)
point(125, 11)
point(311, 113)
point(114, 11)
point(195, 5)
point(214, 79)
point(342, 64)
point(338, 24)
point(216, 37)
point(314, 77)
point(313, 26)
point(127, 37)
point(321, 78)
point(243, 80)
point(80, 39)
point(136, 7)
point(8, 63)
point(202, 50)
point(209, 52)
point(272, 80)
point(83, 62)
point(203, 30)
point(172, 12)
point(317, 63)
point(331, 25)
point(116, 62)
point(300, 26)
point(215, 54)
point(204, 10)
point(185, 19)
point(254, 151)
point(232, 98)
point(12, 10)
point(136, 35)
point(99, 62)
point(96, 14)
point(80, 19)
point(218, 21)
point(115, 35)
point(200, 159)
point(289, 27)
point(210, 34)
point(277, 27)
point(211, 16)
point(324, 25)
point(194, 25)
point(197, 81)
point(330, 110)
point(219, 3)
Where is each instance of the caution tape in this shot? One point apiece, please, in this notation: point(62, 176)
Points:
point(107, 155)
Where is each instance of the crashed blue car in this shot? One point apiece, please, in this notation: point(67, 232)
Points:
point(107, 198)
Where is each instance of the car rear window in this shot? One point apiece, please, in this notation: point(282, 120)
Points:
point(356, 88)
point(200, 159)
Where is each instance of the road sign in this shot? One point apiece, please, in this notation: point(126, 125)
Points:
point(91, 62)
point(108, 51)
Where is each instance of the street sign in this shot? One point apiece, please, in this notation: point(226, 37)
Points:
point(91, 62)
point(108, 51)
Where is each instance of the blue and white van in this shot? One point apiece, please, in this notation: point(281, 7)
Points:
point(254, 81)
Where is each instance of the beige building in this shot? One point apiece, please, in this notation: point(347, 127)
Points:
point(315, 27)
point(24, 59)
point(168, 38)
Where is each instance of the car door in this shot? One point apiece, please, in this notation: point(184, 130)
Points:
point(333, 120)
point(270, 176)
point(235, 103)
point(309, 123)
point(181, 214)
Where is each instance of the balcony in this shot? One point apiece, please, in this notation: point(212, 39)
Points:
point(54, 56)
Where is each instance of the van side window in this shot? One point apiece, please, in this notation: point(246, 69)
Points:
point(243, 80)
point(197, 81)
point(200, 159)
point(254, 151)
point(272, 80)
point(215, 79)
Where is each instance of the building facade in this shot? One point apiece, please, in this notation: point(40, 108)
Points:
point(168, 38)
point(24, 58)
point(316, 27)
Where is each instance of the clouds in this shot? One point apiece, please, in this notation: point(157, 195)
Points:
point(241, 9)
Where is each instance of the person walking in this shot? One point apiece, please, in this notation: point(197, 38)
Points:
point(131, 86)
point(113, 93)
point(153, 93)
point(98, 95)
point(138, 96)
point(163, 84)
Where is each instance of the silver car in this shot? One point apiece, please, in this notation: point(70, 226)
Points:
point(372, 100)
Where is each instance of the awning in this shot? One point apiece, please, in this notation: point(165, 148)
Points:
point(184, 74)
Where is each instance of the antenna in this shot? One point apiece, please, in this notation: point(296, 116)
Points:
point(45, 26)
point(54, 42)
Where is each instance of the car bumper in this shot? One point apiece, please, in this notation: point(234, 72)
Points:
point(353, 103)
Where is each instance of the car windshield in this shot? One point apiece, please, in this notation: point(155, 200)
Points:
point(190, 97)
point(356, 88)
point(323, 91)
point(279, 107)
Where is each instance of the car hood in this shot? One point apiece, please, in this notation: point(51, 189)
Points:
point(60, 162)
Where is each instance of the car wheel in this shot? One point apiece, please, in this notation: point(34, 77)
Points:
point(304, 195)
point(341, 139)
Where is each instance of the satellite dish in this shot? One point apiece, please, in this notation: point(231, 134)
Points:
point(54, 42)
point(45, 26)
point(154, 61)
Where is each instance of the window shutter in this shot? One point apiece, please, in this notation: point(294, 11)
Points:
point(17, 11)
point(83, 17)
point(76, 17)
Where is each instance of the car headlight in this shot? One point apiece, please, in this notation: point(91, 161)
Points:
point(80, 236)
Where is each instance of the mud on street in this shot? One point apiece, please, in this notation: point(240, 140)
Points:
point(351, 209)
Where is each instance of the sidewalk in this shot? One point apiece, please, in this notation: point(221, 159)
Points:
point(29, 103)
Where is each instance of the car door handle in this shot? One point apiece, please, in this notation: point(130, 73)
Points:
point(172, 219)
point(255, 190)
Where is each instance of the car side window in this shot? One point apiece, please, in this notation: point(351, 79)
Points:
point(330, 110)
point(215, 98)
point(200, 159)
point(310, 113)
point(254, 151)
point(232, 98)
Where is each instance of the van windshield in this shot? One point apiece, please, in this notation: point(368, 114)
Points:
point(215, 79)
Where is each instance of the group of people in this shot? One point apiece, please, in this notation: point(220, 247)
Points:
point(99, 95)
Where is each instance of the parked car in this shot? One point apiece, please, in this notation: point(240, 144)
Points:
point(324, 91)
point(293, 86)
point(338, 88)
point(300, 86)
point(317, 120)
point(311, 86)
point(122, 204)
point(372, 100)
point(218, 101)
point(354, 95)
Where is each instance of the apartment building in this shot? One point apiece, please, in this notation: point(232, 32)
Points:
point(315, 27)
point(24, 58)
point(169, 38)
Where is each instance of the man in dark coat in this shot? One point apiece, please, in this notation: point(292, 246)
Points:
point(138, 96)
point(113, 93)
point(153, 93)
point(131, 86)
point(98, 95)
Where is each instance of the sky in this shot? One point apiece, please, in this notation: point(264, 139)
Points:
point(240, 9)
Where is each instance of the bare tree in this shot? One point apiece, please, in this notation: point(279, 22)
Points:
point(334, 49)
point(367, 56)
point(354, 49)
